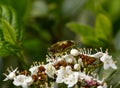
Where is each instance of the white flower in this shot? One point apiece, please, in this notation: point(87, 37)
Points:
point(100, 87)
point(74, 52)
point(66, 75)
point(72, 79)
point(34, 70)
point(60, 75)
point(22, 80)
point(108, 62)
point(69, 58)
point(68, 69)
point(50, 70)
point(82, 76)
point(11, 75)
point(77, 66)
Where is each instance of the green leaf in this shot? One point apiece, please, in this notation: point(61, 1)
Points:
point(7, 49)
point(20, 6)
point(9, 14)
point(113, 9)
point(86, 33)
point(5, 13)
point(17, 25)
point(90, 41)
point(103, 28)
point(4, 52)
point(81, 29)
point(8, 32)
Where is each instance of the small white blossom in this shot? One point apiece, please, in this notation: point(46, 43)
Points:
point(66, 75)
point(77, 66)
point(100, 87)
point(34, 70)
point(72, 79)
point(59, 59)
point(68, 69)
point(69, 58)
point(82, 76)
point(11, 74)
point(108, 62)
point(63, 73)
point(60, 75)
point(22, 80)
point(50, 70)
point(74, 52)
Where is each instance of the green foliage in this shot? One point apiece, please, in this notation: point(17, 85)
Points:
point(97, 36)
point(7, 49)
point(103, 27)
point(86, 37)
point(112, 8)
point(10, 37)
point(8, 32)
point(19, 6)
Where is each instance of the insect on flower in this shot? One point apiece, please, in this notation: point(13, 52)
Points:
point(61, 47)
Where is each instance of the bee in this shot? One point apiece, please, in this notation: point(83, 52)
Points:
point(60, 47)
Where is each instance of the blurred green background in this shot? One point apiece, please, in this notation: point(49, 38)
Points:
point(33, 25)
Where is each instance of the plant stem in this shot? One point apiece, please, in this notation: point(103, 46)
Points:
point(22, 57)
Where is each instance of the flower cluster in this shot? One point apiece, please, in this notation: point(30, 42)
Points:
point(76, 67)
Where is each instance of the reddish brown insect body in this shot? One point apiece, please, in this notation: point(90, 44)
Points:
point(87, 60)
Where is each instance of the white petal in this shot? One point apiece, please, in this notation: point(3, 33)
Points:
point(104, 57)
point(106, 66)
point(100, 87)
point(6, 79)
point(22, 80)
point(24, 85)
point(34, 70)
point(50, 70)
point(68, 58)
point(71, 79)
point(60, 75)
point(84, 76)
point(18, 80)
point(11, 75)
point(74, 52)
point(77, 66)
point(29, 80)
point(113, 66)
point(97, 55)
point(108, 62)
